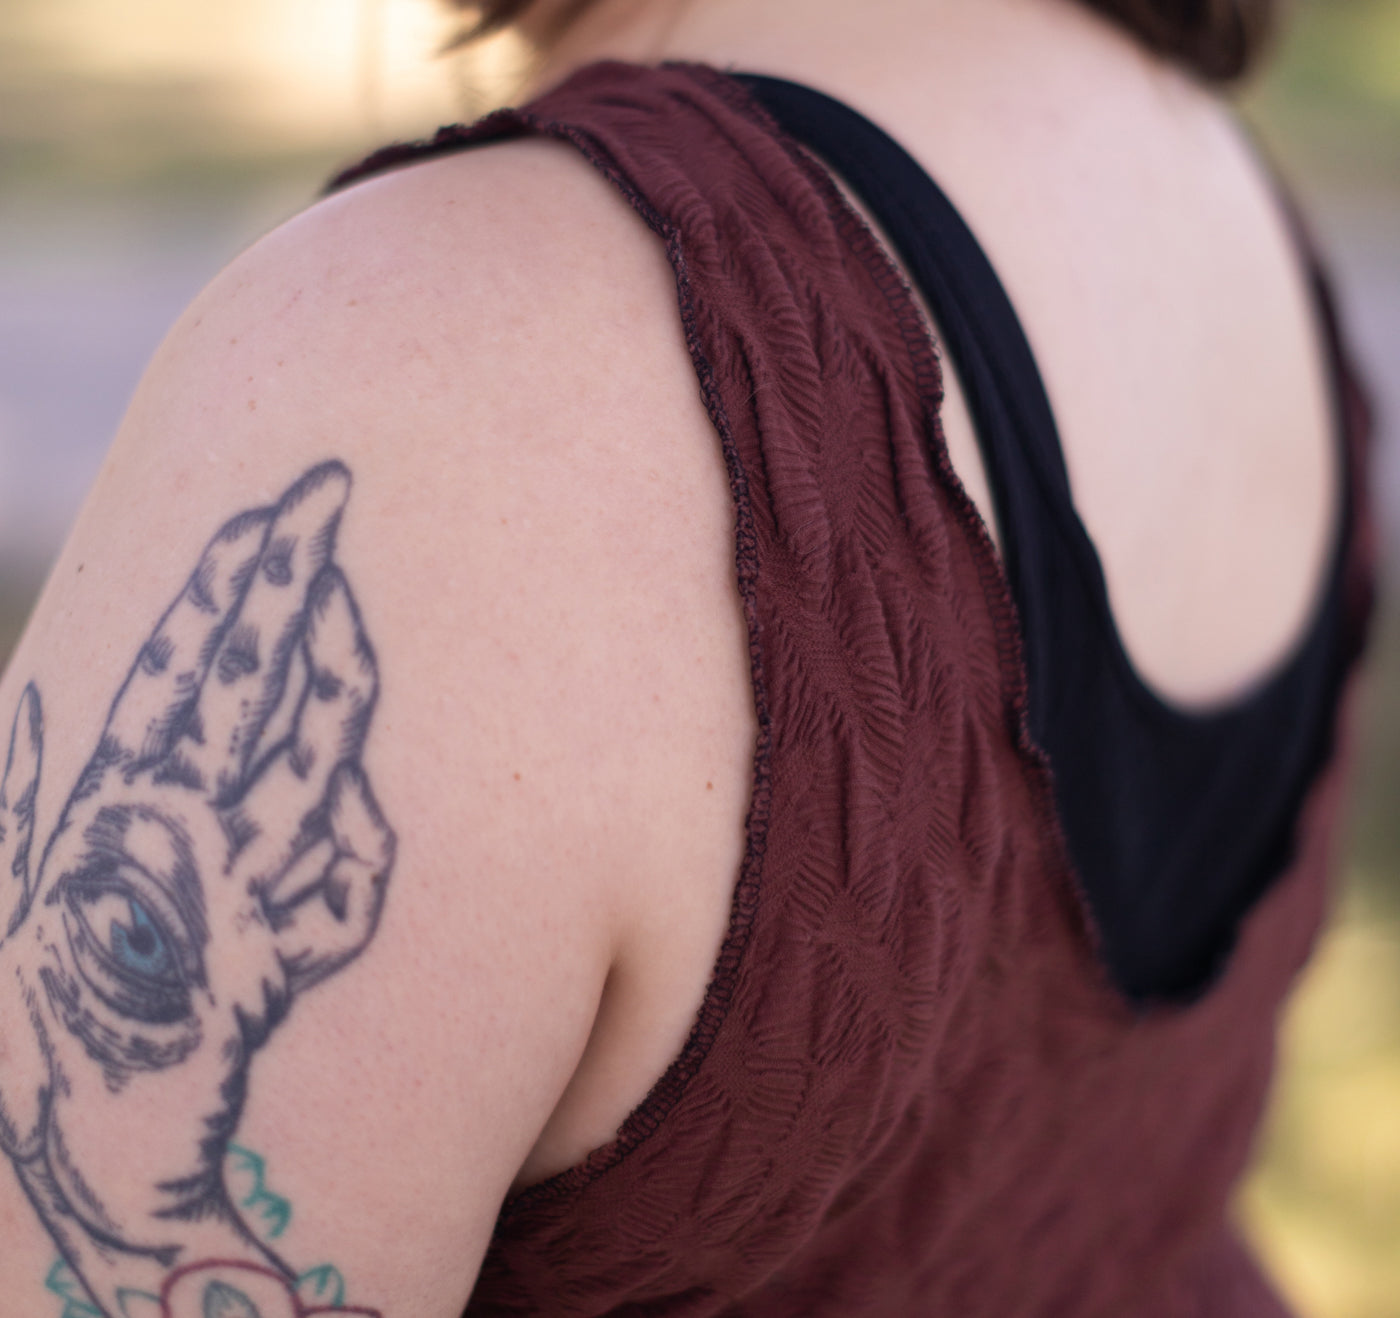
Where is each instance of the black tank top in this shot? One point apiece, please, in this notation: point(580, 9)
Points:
point(1176, 821)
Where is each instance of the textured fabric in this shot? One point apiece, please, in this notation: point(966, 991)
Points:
point(912, 1088)
point(1202, 806)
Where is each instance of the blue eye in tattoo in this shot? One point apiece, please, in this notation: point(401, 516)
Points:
point(138, 946)
point(125, 953)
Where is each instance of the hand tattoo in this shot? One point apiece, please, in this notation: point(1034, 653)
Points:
point(221, 853)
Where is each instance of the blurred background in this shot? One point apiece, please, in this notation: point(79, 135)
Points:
point(143, 143)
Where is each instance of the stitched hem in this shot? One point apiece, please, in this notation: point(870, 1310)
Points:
point(996, 589)
point(666, 1093)
point(648, 1116)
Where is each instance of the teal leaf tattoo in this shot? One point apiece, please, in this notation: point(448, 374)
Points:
point(63, 1282)
point(134, 1304)
point(222, 1301)
point(270, 1214)
point(322, 1286)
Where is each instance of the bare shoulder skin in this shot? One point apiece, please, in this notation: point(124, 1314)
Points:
point(324, 833)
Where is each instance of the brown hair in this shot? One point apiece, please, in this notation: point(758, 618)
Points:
point(1218, 40)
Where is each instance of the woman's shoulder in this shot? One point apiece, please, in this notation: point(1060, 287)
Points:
point(469, 250)
point(455, 409)
point(489, 342)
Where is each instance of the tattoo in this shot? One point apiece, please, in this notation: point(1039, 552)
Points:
point(318, 1290)
point(221, 853)
point(269, 1214)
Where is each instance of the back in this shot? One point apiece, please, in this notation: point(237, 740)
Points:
point(1162, 294)
point(909, 1065)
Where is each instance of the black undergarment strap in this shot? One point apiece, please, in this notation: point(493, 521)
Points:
point(1177, 821)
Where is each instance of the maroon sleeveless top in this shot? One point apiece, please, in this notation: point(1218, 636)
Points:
point(912, 1088)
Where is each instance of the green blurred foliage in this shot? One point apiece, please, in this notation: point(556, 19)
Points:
point(1346, 50)
point(1330, 96)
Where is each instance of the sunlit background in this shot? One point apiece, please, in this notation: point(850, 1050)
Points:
point(144, 142)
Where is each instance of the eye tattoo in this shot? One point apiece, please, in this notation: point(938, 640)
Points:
point(134, 943)
point(124, 954)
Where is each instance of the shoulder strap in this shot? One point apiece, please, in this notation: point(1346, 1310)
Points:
point(1177, 821)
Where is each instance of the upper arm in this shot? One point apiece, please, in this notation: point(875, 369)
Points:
point(362, 703)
